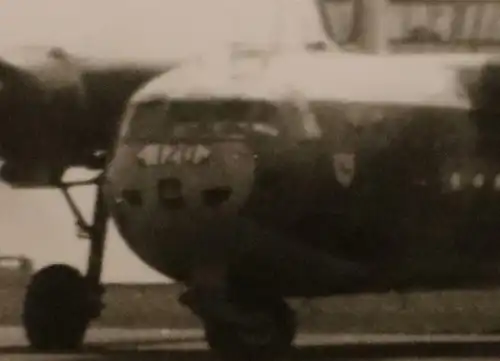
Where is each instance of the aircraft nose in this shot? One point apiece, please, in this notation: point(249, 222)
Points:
point(170, 193)
point(221, 181)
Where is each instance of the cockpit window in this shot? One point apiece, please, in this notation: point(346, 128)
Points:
point(146, 121)
point(199, 118)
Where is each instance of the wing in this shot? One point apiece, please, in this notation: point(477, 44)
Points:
point(58, 110)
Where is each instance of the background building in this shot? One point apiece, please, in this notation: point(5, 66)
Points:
point(398, 25)
point(15, 271)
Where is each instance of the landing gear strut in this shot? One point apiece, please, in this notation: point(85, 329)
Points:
point(243, 326)
point(60, 302)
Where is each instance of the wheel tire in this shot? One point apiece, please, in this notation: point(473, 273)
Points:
point(56, 310)
point(227, 341)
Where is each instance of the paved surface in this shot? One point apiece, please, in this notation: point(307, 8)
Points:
point(157, 344)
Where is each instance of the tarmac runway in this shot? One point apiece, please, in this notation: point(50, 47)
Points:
point(183, 345)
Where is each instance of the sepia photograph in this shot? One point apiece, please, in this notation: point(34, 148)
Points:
point(251, 180)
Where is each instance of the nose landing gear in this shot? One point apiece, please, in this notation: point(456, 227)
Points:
point(60, 302)
point(243, 327)
point(271, 338)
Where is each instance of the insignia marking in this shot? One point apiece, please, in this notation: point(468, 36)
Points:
point(148, 156)
point(344, 166)
point(201, 153)
point(160, 154)
point(166, 153)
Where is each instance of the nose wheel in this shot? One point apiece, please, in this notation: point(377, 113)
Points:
point(246, 328)
point(273, 337)
point(60, 302)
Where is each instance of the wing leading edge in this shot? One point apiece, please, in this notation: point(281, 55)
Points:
point(57, 110)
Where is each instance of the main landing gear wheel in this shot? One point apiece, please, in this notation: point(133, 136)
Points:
point(57, 309)
point(272, 338)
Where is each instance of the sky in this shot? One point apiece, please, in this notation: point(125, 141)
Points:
point(37, 223)
point(111, 26)
point(157, 28)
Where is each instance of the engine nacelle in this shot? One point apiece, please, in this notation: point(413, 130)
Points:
point(42, 102)
point(36, 175)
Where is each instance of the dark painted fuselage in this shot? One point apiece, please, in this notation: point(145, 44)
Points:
point(390, 189)
point(402, 197)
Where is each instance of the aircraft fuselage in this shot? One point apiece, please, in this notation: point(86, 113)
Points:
point(310, 200)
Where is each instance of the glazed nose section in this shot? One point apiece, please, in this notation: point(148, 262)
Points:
point(229, 177)
point(222, 181)
point(215, 196)
point(170, 193)
point(132, 197)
